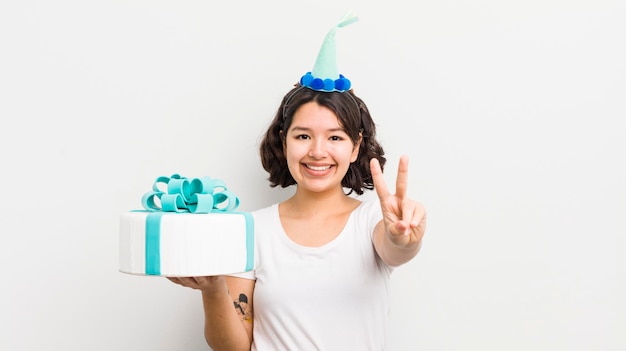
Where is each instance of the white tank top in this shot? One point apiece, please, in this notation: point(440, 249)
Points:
point(333, 297)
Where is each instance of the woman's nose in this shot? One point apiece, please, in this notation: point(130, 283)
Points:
point(318, 148)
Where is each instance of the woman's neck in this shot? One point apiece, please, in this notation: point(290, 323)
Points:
point(307, 203)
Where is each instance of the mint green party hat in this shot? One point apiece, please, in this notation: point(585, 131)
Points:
point(325, 75)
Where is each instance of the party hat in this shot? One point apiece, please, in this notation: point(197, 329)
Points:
point(325, 75)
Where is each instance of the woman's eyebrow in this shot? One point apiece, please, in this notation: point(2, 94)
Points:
point(305, 129)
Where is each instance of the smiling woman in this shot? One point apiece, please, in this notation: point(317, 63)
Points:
point(321, 255)
point(324, 259)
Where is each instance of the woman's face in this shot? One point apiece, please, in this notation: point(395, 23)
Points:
point(317, 148)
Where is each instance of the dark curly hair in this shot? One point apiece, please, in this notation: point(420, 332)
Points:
point(353, 116)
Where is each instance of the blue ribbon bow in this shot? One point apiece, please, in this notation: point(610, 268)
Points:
point(198, 195)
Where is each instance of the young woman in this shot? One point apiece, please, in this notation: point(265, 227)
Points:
point(324, 258)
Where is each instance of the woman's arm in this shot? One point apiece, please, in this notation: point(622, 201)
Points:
point(228, 310)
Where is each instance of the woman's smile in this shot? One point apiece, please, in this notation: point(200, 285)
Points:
point(317, 168)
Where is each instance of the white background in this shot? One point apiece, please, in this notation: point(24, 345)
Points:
point(512, 113)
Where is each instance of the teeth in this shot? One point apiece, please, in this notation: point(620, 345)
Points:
point(315, 168)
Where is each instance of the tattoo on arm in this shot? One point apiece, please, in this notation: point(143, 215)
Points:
point(242, 307)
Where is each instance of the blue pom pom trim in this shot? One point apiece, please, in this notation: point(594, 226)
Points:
point(328, 85)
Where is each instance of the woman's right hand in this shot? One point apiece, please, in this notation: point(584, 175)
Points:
point(206, 284)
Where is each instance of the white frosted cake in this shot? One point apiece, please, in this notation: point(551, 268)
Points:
point(187, 230)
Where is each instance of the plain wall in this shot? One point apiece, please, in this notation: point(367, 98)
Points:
point(512, 113)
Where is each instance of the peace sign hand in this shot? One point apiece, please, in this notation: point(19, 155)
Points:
point(404, 219)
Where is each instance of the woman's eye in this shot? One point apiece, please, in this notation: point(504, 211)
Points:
point(336, 138)
point(302, 137)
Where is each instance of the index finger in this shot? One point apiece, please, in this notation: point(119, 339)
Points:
point(377, 177)
point(402, 180)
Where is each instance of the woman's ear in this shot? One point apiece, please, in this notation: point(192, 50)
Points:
point(356, 148)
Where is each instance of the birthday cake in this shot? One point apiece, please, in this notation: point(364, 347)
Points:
point(187, 227)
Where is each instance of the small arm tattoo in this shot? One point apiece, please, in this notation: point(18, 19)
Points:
point(242, 307)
